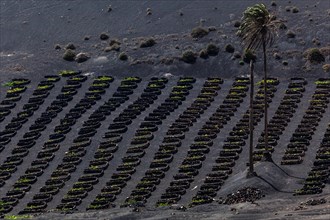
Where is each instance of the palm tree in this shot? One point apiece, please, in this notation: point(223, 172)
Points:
point(258, 30)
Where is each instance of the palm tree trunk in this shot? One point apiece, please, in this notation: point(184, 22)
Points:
point(251, 126)
point(267, 155)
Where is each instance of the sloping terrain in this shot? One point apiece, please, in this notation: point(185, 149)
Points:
point(154, 137)
point(77, 142)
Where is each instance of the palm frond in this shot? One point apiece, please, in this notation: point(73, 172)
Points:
point(258, 26)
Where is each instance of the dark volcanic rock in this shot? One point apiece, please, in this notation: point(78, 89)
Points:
point(69, 55)
point(247, 194)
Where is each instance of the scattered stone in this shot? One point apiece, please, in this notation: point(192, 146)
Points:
point(203, 54)
point(168, 75)
point(241, 62)
point(212, 49)
point(247, 194)
point(285, 62)
point(212, 28)
point(326, 68)
point(114, 47)
point(123, 56)
point(148, 43)
point(144, 61)
point(70, 46)
point(69, 55)
point(199, 32)
point(109, 8)
point(237, 55)
point(314, 55)
point(316, 41)
point(177, 47)
point(237, 24)
point(290, 34)
point(82, 57)
point(57, 47)
point(313, 202)
point(179, 207)
point(25, 22)
point(104, 36)
point(288, 8)
point(114, 41)
point(283, 26)
point(273, 3)
point(277, 56)
point(295, 10)
point(87, 37)
point(149, 12)
point(101, 60)
point(167, 61)
point(224, 36)
point(189, 57)
point(229, 48)
point(181, 13)
point(136, 209)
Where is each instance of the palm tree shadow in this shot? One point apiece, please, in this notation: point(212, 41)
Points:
point(274, 187)
point(280, 168)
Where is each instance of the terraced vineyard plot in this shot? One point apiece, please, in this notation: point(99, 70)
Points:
point(93, 141)
point(283, 115)
point(16, 87)
point(232, 148)
point(301, 138)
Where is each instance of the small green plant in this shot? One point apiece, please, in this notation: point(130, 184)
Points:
point(44, 87)
point(15, 90)
point(131, 78)
point(99, 84)
point(105, 78)
point(16, 217)
point(325, 82)
point(163, 204)
point(131, 201)
point(15, 83)
point(9, 84)
point(66, 73)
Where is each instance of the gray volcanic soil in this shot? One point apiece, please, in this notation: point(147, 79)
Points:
point(30, 29)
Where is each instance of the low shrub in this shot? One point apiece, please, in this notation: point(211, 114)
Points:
point(148, 43)
point(229, 48)
point(212, 49)
point(199, 32)
point(123, 56)
point(314, 55)
point(189, 57)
